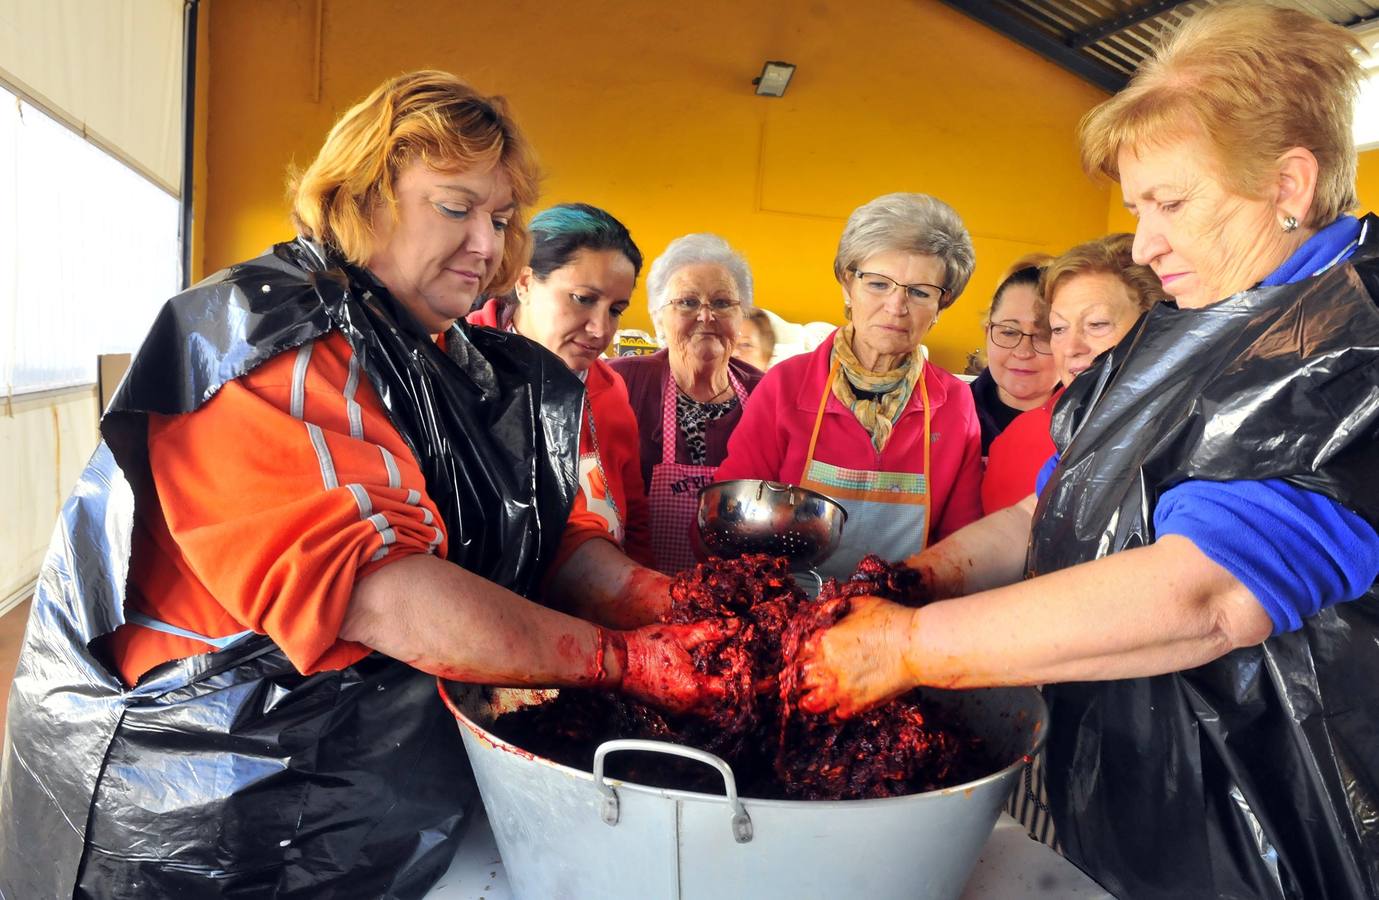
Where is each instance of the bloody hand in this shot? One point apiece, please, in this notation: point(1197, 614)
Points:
point(860, 662)
point(658, 670)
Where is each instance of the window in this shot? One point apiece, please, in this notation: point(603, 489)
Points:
point(88, 252)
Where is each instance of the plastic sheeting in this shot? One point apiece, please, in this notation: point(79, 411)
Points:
point(1257, 775)
point(231, 774)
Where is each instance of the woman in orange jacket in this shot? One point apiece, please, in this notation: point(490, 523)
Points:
point(317, 490)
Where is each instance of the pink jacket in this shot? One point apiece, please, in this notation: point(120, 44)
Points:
point(772, 439)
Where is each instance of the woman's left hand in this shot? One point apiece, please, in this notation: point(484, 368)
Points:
point(861, 661)
point(656, 666)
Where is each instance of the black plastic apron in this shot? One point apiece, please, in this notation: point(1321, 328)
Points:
point(231, 774)
point(1256, 775)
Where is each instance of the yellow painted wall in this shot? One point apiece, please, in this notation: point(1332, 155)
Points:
point(647, 109)
point(1367, 183)
point(200, 130)
point(1118, 218)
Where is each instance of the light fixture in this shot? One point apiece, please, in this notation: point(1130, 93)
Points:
point(774, 78)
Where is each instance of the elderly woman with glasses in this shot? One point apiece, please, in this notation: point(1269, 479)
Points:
point(1088, 299)
point(1197, 584)
point(865, 418)
point(689, 397)
point(1019, 373)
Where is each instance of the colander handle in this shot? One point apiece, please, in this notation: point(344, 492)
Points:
point(814, 576)
point(608, 805)
point(777, 487)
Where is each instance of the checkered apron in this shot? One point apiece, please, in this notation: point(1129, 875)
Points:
point(673, 496)
point(888, 512)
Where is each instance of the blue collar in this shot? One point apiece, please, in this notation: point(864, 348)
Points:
point(1334, 243)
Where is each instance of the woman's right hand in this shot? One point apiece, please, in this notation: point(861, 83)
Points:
point(657, 668)
point(861, 661)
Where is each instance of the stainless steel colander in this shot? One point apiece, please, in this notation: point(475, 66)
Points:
point(754, 516)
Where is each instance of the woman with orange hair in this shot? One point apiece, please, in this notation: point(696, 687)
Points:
point(317, 490)
point(1089, 298)
point(1196, 585)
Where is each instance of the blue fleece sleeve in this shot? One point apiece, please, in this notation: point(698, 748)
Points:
point(1045, 473)
point(1297, 551)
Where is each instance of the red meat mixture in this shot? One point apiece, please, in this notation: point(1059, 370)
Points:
point(776, 750)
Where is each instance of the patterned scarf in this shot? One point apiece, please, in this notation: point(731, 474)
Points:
point(891, 390)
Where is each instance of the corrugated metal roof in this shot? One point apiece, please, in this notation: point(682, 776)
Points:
point(1104, 41)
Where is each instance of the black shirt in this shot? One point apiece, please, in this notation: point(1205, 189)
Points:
point(991, 412)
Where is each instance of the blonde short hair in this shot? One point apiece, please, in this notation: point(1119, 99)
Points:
point(425, 116)
point(1109, 255)
point(766, 332)
point(1254, 81)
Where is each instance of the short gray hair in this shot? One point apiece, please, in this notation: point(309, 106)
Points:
point(911, 223)
point(695, 249)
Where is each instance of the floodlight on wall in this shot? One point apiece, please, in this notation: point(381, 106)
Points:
point(774, 78)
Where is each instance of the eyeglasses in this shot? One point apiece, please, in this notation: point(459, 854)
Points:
point(720, 307)
point(874, 284)
point(1010, 337)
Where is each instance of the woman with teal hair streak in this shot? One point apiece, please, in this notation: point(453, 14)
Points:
point(569, 298)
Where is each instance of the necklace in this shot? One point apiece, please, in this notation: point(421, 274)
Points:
point(712, 399)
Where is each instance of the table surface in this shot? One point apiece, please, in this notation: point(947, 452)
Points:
point(1011, 867)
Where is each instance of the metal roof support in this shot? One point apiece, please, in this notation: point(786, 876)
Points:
point(1120, 23)
point(1046, 46)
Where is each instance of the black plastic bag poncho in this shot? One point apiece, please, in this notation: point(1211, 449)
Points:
point(1256, 775)
point(230, 774)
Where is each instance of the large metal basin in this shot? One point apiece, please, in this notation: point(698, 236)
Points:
point(562, 834)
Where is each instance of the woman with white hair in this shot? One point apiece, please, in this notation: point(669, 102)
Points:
point(689, 397)
point(865, 418)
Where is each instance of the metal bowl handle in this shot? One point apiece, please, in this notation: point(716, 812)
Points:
point(608, 809)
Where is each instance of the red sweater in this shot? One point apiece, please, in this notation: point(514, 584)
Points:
point(1017, 455)
point(617, 447)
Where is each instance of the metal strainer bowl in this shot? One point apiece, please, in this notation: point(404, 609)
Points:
point(754, 516)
